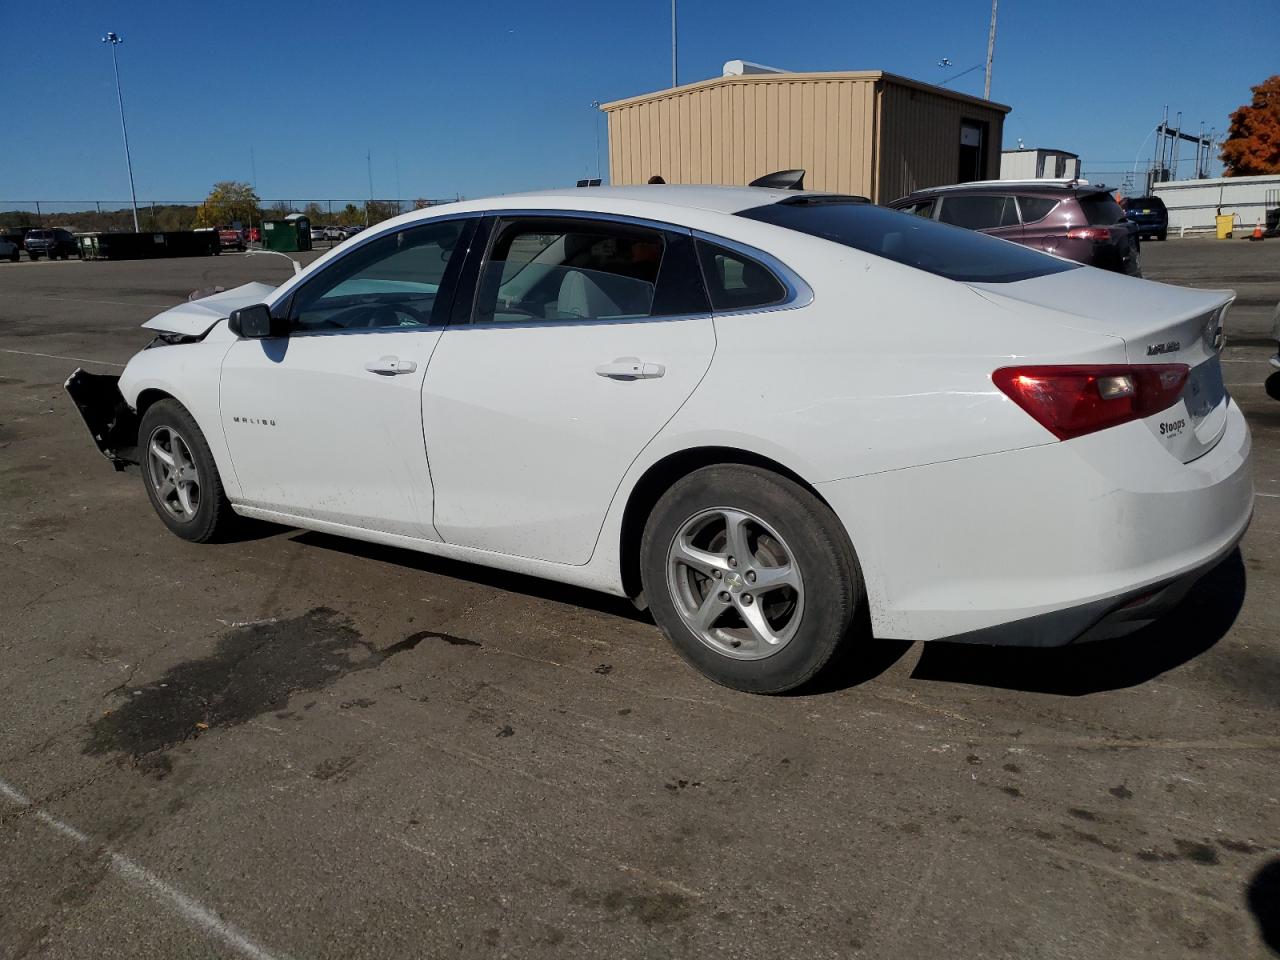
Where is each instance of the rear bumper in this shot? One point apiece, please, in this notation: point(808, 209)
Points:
point(112, 423)
point(1046, 545)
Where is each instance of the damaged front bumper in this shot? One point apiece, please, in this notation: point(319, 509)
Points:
point(112, 424)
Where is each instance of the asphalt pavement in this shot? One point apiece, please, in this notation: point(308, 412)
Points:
point(300, 746)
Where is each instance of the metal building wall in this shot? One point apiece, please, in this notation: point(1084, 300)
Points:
point(919, 137)
point(733, 129)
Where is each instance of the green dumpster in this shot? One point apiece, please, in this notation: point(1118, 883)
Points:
point(287, 236)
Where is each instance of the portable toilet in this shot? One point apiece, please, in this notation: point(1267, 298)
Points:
point(290, 235)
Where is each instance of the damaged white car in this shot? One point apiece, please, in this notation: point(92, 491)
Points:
point(779, 418)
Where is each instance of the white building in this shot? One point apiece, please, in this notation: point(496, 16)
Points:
point(1194, 203)
point(1039, 163)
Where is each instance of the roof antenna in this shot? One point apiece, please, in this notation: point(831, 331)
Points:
point(781, 180)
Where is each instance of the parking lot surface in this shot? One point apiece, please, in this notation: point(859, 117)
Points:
point(300, 746)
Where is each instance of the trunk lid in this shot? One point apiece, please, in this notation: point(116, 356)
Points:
point(1158, 323)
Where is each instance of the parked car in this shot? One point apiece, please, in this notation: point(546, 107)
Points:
point(1151, 216)
point(334, 233)
point(1079, 222)
point(770, 415)
point(8, 250)
point(317, 233)
point(350, 231)
point(231, 239)
point(56, 244)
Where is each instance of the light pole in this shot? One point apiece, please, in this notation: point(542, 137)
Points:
point(675, 73)
point(595, 120)
point(115, 41)
point(991, 51)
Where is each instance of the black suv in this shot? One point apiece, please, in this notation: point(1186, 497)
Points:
point(56, 244)
point(1150, 214)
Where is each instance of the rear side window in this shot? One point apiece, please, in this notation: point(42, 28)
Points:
point(1035, 209)
point(561, 269)
point(1100, 209)
point(735, 281)
point(922, 209)
point(937, 248)
point(979, 212)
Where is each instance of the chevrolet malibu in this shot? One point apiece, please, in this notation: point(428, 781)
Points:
point(779, 419)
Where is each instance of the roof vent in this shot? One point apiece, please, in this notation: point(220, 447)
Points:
point(742, 68)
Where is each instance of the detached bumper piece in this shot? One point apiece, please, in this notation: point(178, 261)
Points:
point(113, 426)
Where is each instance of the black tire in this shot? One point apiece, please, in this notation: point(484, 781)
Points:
point(1162, 235)
point(213, 517)
point(833, 590)
point(13, 257)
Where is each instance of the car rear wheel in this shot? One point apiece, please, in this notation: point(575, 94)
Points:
point(750, 576)
point(179, 473)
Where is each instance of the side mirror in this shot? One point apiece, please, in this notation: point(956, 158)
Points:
point(257, 323)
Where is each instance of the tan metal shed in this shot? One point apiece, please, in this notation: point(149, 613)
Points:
point(867, 132)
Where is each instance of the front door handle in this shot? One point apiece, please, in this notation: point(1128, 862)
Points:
point(390, 366)
point(630, 368)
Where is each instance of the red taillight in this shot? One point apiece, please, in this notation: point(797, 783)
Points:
point(1070, 401)
point(1096, 234)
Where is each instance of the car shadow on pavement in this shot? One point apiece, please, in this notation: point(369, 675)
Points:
point(1263, 898)
point(1187, 631)
point(488, 576)
point(1273, 386)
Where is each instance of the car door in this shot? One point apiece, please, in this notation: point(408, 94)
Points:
point(993, 213)
point(1039, 230)
point(585, 338)
point(326, 423)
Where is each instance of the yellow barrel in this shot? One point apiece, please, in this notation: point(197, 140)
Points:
point(1225, 222)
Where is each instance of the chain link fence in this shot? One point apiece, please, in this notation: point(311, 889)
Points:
point(116, 216)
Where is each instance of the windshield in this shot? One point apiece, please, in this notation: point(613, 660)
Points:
point(938, 248)
point(39, 234)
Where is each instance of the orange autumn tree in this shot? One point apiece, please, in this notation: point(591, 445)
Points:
point(1253, 143)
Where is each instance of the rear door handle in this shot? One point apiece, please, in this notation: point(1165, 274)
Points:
point(390, 366)
point(630, 368)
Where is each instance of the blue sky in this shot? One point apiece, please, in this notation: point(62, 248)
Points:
point(477, 98)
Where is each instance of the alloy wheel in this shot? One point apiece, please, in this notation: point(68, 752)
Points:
point(735, 583)
point(173, 473)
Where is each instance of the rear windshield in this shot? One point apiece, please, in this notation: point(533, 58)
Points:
point(40, 234)
point(941, 249)
point(1149, 203)
point(1100, 209)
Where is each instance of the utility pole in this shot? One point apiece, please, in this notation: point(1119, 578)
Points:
point(368, 210)
point(991, 51)
point(595, 122)
point(675, 72)
point(115, 41)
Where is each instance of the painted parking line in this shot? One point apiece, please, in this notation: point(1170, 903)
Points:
point(190, 910)
point(55, 356)
point(110, 303)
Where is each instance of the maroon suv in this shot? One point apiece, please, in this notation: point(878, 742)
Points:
point(1072, 220)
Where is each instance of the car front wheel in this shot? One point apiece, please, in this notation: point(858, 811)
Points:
point(178, 471)
point(750, 576)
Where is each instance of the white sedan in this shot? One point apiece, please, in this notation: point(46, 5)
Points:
point(778, 418)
